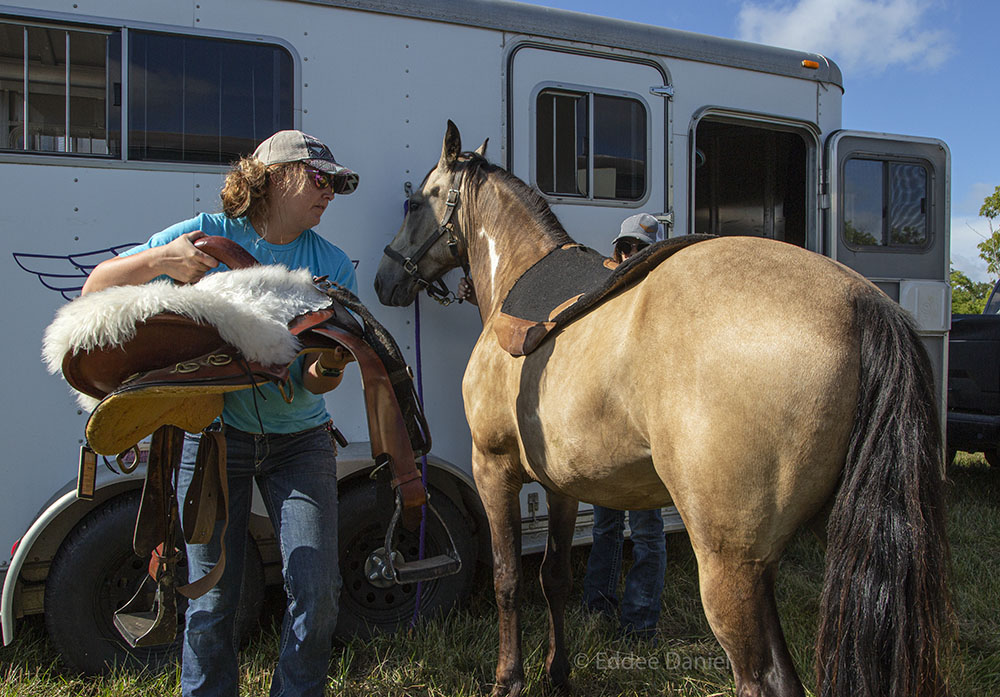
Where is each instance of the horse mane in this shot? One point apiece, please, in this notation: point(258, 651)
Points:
point(478, 168)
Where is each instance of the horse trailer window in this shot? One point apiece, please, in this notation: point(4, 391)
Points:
point(619, 148)
point(566, 125)
point(561, 144)
point(885, 204)
point(56, 93)
point(194, 99)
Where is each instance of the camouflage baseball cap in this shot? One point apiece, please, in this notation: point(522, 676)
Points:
point(296, 146)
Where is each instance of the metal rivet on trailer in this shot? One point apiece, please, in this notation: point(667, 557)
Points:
point(305, 84)
point(75, 209)
point(306, 59)
point(75, 179)
point(76, 238)
point(196, 199)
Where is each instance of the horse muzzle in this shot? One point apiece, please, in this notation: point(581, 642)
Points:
point(393, 285)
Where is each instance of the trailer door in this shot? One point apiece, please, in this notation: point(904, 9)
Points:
point(588, 132)
point(889, 217)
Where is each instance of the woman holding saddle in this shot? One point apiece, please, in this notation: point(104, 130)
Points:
point(271, 201)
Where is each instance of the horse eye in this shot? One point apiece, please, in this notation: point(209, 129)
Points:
point(414, 205)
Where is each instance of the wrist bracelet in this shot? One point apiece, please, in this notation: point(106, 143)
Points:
point(328, 372)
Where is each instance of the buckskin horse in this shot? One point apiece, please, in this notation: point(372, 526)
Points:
point(757, 386)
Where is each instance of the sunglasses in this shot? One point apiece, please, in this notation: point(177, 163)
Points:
point(630, 246)
point(324, 180)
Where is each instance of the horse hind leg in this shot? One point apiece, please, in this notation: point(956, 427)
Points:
point(556, 577)
point(738, 598)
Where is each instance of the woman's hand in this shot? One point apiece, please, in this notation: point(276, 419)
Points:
point(182, 261)
point(333, 360)
point(466, 291)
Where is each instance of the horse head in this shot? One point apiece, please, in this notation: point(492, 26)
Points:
point(431, 241)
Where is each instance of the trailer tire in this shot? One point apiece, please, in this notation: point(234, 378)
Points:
point(95, 572)
point(366, 610)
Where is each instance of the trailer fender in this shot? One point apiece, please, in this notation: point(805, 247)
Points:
point(50, 527)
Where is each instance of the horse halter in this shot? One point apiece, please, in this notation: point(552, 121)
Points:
point(437, 290)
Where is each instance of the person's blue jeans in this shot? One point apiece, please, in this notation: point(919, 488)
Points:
point(640, 604)
point(297, 477)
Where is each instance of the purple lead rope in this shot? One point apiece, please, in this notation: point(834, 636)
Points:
point(423, 458)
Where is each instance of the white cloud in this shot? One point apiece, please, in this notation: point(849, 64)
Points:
point(966, 233)
point(860, 35)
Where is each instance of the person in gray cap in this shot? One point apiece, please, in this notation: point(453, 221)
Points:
point(271, 201)
point(637, 232)
point(640, 603)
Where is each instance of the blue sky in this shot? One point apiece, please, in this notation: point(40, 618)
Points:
point(916, 67)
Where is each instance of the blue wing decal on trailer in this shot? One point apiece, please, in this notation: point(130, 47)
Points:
point(67, 273)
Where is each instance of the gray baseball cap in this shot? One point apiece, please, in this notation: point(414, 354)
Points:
point(296, 146)
point(642, 227)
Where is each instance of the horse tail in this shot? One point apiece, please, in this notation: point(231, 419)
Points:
point(885, 611)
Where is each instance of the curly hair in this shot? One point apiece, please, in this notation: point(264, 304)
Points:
point(249, 184)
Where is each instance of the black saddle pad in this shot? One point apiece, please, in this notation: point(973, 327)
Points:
point(565, 273)
point(568, 282)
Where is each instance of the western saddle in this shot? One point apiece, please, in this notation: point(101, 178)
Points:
point(168, 373)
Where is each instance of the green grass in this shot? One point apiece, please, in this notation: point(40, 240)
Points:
point(455, 656)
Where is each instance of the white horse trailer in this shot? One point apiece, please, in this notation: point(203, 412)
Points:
point(119, 119)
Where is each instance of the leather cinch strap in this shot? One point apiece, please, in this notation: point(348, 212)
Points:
point(206, 502)
point(389, 438)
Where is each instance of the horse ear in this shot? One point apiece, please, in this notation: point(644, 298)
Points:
point(452, 146)
point(481, 150)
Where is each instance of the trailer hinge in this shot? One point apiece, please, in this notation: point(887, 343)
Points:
point(824, 201)
point(666, 91)
point(533, 505)
point(667, 218)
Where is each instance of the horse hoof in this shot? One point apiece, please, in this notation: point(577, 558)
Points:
point(512, 690)
point(562, 688)
point(558, 677)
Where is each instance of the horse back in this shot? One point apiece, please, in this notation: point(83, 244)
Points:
point(734, 353)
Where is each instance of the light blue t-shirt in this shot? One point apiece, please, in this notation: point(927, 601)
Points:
point(309, 251)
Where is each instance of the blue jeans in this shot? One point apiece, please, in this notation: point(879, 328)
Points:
point(297, 477)
point(640, 606)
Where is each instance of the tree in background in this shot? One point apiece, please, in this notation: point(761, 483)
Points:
point(989, 249)
point(968, 297)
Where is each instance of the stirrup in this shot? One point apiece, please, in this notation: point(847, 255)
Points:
point(386, 566)
point(141, 627)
